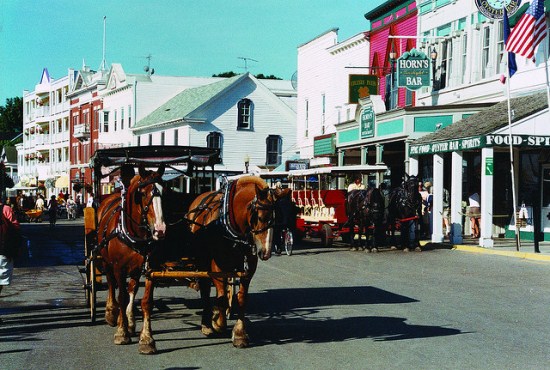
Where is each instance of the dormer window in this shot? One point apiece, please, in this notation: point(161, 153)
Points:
point(244, 118)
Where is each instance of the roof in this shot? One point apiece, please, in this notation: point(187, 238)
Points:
point(186, 102)
point(490, 119)
point(383, 8)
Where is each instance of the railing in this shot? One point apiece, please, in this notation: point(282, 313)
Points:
point(81, 131)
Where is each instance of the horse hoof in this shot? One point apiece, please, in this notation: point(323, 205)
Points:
point(418, 249)
point(147, 348)
point(406, 250)
point(122, 339)
point(374, 250)
point(241, 342)
point(207, 331)
point(393, 248)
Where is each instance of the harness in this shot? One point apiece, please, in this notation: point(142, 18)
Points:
point(226, 217)
point(119, 206)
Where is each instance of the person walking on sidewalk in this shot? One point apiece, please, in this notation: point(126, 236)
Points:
point(474, 212)
point(10, 237)
point(52, 211)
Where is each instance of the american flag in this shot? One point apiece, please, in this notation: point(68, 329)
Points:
point(529, 31)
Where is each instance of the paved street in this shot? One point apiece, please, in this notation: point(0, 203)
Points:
point(317, 309)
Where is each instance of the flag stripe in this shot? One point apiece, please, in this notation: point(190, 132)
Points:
point(529, 32)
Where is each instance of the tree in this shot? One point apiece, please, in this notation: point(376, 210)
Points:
point(225, 74)
point(259, 76)
point(11, 115)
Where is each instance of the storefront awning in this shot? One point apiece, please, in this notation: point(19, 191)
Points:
point(474, 131)
point(62, 182)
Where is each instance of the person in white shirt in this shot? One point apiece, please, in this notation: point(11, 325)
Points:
point(356, 185)
point(90, 202)
point(474, 212)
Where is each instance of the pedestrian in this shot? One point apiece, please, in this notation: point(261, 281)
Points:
point(356, 185)
point(428, 208)
point(424, 219)
point(71, 208)
point(10, 241)
point(446, 212)
point(90, 202)
point(52, 211)
point(474, 212)
point(39, 206)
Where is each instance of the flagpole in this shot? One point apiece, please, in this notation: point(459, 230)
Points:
point(518, 242)
point(546, 64)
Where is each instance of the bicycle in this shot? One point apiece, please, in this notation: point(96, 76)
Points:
point(286, 240)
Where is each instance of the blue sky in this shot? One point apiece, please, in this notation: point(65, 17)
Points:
point(184, 37)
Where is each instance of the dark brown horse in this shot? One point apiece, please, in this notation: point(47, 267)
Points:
point(231, 229)
point(405, 210)
point(365, 209)
point(129, 224)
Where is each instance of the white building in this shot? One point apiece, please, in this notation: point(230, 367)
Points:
point(44, 154)
point(324, 65)
point(247, 120)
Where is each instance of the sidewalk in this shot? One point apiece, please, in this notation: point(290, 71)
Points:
point(502, 247)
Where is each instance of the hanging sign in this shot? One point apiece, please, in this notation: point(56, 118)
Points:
point(367, 121)
point(413, 70)
point(361, 86)
point(494, 9)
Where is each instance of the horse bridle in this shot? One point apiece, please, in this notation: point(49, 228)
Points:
point(254, 206)
point(145, 208)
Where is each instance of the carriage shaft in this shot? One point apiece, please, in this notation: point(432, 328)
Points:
point(193, 274)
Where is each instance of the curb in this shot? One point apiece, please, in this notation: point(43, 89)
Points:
point(477, 249)
point(494, 251)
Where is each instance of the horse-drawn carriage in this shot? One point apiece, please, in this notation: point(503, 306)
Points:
point(322, 202)
point(328, 211)
point(193, 234)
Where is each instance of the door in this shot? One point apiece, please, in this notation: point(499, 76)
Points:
point(545, 208)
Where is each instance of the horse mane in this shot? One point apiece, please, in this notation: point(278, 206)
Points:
point(252, 180)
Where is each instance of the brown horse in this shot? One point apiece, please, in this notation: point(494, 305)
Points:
point(231, 229)
point(128, 225)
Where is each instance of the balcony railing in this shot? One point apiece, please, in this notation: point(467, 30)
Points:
point(81, 131)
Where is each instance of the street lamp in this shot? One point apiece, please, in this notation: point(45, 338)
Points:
point(433, 56)
point(246, 162)
point(393, 57)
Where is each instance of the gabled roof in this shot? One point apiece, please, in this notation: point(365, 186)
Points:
point(187, 101)
point(490, 119)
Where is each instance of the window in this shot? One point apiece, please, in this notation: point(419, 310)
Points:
point(105, 121)
point(75, 119)
point(446, 63)
point(214, 140)
point(244, 119)
point(391, 92)
point(274, 145)
point(307, 119)
point(122, 118)
point(176, 138)
point(485, 51)
point(129, 116)
point(323, 105)
point(95, 123)
point(464, 57)
point(139, 140)
point(500, 49)
point(150, 139)
point(162, 138)
point(115, 121)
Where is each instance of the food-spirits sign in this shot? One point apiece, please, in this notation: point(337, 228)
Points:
point(413, 70)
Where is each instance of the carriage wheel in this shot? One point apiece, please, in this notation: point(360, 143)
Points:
point(288, 241)
point(326, 235)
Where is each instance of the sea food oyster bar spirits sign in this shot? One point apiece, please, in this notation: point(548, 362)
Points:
point(413, 70)
point(494, 9)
